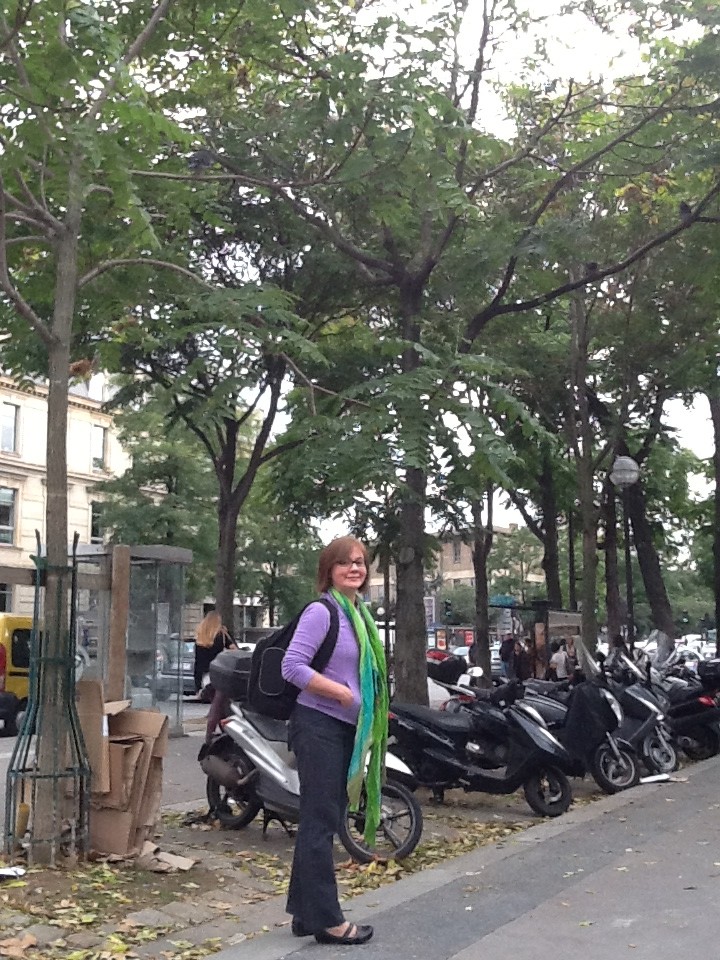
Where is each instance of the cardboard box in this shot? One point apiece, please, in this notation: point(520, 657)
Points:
point(112, 831)
point(142, 723)
point(123, 817)
point(93, 723)
point(125, 753)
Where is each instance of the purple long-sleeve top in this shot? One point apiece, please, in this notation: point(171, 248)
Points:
point(343, 666)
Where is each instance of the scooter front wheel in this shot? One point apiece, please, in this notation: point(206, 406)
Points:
point(613, 772)
point(548, 792)
point(659, 755)
point(400, 829)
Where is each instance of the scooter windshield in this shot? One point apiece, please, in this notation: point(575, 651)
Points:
point(586, 661)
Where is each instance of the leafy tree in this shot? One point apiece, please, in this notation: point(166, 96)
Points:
point(166, 495)
point(77, 86)
point(386, 159)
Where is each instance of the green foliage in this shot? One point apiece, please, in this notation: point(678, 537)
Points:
point(167, 495)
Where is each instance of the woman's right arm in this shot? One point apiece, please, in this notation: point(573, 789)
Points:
point(309, 634)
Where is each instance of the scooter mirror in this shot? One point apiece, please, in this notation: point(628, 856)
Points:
point(475, 672)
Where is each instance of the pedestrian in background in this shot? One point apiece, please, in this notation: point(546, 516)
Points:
point(507, 653)
point(339, 721)
point(211, 638)
point(522, 661)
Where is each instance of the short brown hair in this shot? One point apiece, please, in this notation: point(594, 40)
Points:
point(338, 551)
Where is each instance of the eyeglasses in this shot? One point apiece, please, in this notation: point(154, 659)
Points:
point(360, 564)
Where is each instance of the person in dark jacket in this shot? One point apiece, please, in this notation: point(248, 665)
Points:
point(211, 638)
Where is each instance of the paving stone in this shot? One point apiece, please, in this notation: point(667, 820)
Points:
point(14, 921)
point(228, 932)
point(189, 913)
point(85, 941)
point(225, 932)
point(152, 918)
point(44, 933)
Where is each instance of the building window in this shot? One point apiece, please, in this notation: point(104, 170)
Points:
point(7, 515)
point(99, 447)
point(96, 527)
point(457, 548)
point(5, 598)
point(8, 427)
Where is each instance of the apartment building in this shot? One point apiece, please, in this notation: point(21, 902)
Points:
point(453, 567)
point(94, 454)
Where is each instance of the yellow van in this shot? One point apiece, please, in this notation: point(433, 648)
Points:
point(14, 668)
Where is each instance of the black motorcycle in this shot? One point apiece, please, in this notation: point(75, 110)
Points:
point(496, 747)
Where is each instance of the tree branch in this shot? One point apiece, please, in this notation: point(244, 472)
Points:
point(7, 286)
point(130, 55)
point(496, 309)
point(146, 262)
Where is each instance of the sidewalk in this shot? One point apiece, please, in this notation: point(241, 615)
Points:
point(636, 875)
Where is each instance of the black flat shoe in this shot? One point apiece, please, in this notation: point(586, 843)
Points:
point(355, 933)
point(298, 928)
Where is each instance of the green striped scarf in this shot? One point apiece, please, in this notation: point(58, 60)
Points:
point(372, 725)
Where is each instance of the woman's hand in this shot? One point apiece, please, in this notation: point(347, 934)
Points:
point(324, 687)
point(345, 696)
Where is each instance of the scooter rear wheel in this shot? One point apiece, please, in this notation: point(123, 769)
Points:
point(234, 809)
point(614, 773)
point(548, 792)
point(659, 755)
point(401, 825)
point(700, 743)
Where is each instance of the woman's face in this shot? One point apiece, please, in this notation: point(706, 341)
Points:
point(348, 576)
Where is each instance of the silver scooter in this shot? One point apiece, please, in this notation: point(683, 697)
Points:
point(250, 769)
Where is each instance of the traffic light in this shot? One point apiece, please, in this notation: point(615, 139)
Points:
point(447, 605)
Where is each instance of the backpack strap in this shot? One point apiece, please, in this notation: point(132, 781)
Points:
point(327, 647)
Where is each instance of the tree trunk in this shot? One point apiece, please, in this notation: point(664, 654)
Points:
point(612, 581)
point(551, 553)
point(225, 561)
point(649, 561)
point(272, 593)
point(410, 630)
point(482, 544)
point(582, 443)
point(714, 399)
point(57, 669)
point(572, 566)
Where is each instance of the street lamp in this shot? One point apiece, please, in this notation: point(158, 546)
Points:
point(625, 472)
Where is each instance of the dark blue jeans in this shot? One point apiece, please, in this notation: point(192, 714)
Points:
point(323, 747)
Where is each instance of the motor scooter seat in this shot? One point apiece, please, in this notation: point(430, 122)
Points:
point(451, 723)
point(268, 727)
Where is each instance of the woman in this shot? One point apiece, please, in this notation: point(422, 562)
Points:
point(211, 638)
point(339, 720)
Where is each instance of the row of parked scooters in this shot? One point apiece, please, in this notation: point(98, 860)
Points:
point(610, 721)
point(614, 720)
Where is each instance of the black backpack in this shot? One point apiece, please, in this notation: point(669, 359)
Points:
point(268, 692)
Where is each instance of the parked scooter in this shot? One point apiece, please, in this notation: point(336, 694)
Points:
point(644, 727)
point(250, 769)
point(690, 703)
point(496, 746)
point(585, 718)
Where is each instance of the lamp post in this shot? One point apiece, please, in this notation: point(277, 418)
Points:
point(625, 472)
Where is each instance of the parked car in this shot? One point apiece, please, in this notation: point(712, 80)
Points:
point(174, 668)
